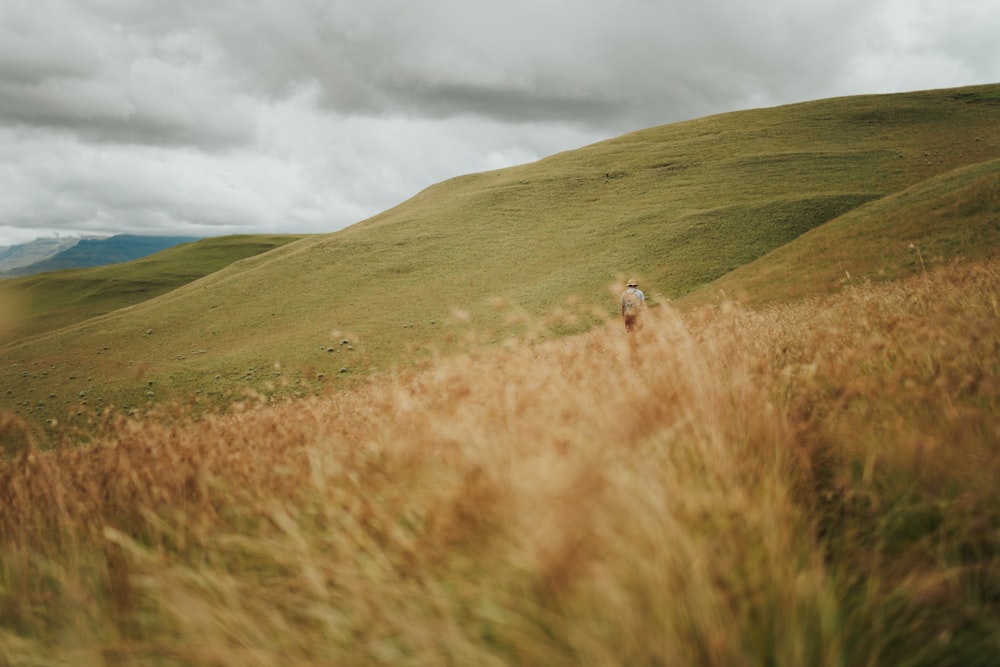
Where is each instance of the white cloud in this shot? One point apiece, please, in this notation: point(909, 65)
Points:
point(309, 115)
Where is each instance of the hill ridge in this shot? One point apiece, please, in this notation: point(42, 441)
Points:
point(24, 254)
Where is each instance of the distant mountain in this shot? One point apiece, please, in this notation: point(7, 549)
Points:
point(90, 252)
point(26, 254)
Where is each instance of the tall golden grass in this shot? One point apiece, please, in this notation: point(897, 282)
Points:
point(810, 484)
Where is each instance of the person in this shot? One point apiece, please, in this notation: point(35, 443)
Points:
point(633, 305)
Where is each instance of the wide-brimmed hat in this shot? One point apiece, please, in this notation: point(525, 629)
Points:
point(633, 283)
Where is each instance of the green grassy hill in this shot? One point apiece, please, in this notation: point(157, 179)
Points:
point(950, 217)
point(58, 298)
point(679, 206)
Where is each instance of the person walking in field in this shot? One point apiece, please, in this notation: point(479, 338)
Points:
point(633, 305)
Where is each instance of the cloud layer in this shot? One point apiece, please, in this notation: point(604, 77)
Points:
point(309, 115)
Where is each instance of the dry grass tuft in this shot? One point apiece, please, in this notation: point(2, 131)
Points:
point(807, 484)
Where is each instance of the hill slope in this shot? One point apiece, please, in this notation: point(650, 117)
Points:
point(678, 206)
point(950, 217)
point(59, 298)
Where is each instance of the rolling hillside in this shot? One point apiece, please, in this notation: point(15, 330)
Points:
point(950, 217)
point(60, 298)
point(797, 195)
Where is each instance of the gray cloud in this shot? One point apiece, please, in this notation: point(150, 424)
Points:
point(308, 115)
point(67, 70)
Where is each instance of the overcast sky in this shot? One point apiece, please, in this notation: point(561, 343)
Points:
point(212, 117)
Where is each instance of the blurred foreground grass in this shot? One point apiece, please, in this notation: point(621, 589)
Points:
point(810, 484)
